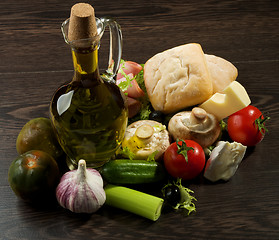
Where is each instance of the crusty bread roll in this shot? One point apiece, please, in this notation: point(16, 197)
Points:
point(222, 72)
point(178, 78)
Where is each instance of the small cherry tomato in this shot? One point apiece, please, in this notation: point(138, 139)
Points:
point(247, 126)
point(184, 159)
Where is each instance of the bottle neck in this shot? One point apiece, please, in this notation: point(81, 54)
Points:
point(85, 62)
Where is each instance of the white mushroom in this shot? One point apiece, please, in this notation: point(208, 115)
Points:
point(197, 125)
point(224, 161)
point(144, 137)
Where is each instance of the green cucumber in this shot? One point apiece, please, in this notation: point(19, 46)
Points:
point(124, 171)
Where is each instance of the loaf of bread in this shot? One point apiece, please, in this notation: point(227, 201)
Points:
point(222, 72)
point(184, 76)
point(177, 78)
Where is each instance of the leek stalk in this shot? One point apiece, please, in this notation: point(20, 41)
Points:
point(134, 201)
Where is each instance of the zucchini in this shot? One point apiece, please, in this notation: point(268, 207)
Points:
point(124, 171)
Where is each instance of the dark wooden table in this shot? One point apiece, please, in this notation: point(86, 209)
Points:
point(34, 61)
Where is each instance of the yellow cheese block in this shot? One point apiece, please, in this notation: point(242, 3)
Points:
point(233, 99)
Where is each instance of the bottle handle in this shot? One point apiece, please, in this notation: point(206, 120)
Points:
point(115, 52)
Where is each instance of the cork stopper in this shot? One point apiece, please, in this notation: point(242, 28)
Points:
point(82, 23)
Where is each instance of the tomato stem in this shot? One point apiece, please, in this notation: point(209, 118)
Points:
point(183, 148)
point(260, 123)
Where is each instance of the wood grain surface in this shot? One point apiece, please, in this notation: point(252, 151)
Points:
point(34, 61)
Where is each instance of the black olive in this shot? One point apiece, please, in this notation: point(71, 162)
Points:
point(156, 116)
point(172, 194)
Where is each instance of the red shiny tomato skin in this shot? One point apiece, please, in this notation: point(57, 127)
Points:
point(176, 164)
point(242, 127)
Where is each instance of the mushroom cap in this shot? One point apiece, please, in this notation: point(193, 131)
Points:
point(196, 125)
point(143, 144)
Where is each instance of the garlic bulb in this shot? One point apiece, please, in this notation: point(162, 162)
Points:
point(81, 190)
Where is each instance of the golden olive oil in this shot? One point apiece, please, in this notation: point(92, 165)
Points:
point(93, 126)
point(89, 114)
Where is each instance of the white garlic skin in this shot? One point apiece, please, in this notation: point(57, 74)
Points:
point(224, 161)
point(81, 190)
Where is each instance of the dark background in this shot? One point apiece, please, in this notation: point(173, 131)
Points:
point(34, 61)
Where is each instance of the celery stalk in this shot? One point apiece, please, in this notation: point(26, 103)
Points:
point(133, 201)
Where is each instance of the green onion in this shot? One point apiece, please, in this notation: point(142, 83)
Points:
point(133, 201)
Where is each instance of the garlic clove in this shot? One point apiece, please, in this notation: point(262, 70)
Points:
point(81, 190)
point(86, 199)
point(224, 161)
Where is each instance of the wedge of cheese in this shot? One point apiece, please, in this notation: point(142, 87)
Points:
point(233, 99)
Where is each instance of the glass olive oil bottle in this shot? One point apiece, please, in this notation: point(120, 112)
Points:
point(90, 113)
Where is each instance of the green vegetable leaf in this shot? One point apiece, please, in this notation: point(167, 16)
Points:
point(140, 79)
point(186, 199)
point(151, 157)
point(159, 127)
point(126, 152)
point(145, 111)
point(145, 103)
point(183, 148)
point(124, 85)
point(223, 125)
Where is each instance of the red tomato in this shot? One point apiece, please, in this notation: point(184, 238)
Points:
point(187, 167)
point(247, 126)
